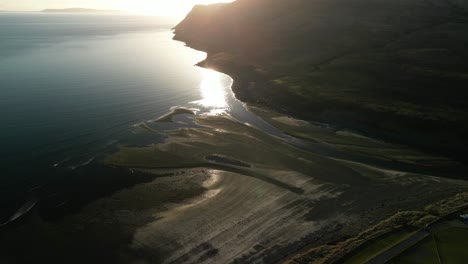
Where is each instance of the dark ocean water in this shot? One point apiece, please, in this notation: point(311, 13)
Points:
point(74, 86)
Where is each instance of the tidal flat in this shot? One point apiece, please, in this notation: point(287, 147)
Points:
point(224, 191)
point(287, 197)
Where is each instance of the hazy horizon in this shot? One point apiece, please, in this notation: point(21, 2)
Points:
point(155, 7)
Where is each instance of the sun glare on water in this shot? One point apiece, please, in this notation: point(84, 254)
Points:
point(213, 92)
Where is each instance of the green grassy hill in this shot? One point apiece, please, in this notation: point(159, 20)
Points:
point(393, 69)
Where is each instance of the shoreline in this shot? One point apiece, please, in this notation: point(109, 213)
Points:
point(256, 94)
point(417, 125)
point(244, 85)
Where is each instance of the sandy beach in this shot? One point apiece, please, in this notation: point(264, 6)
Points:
point(226, 192)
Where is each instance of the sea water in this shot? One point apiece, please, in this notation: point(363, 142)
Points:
point(72, 86)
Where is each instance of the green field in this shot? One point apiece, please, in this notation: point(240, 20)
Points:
point(447, 241)
point(452, 243)
point(424, 252)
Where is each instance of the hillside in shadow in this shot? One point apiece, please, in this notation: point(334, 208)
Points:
point(391, 69)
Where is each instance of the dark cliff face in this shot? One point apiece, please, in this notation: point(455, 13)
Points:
point(316, 29)
point(396, 69)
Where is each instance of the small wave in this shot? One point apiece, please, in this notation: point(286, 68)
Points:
point(87, 162)
point(112, 142)
point(138, 124)
point(61, 162)
point(82, 164)
point(25, 208)
point(148, 128)
point(175, 110)
point(183, 107)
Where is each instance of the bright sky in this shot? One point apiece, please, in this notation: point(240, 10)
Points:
point(153, 7)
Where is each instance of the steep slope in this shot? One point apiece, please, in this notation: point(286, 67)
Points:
point(392, 69)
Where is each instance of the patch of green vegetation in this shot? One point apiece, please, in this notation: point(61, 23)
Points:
point(452, 244)
point(447, 242)
point(354, 142)
point(424, 252)
point(379, 245)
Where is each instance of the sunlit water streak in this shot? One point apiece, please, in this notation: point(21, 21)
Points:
point(213, 92)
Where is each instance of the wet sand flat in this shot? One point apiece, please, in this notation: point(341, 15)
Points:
point(226, 192)
point(287, 198)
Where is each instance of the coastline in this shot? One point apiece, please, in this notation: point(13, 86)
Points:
point(264, 79)
point(212, 182)
point(224, 191)
point(255, 89)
